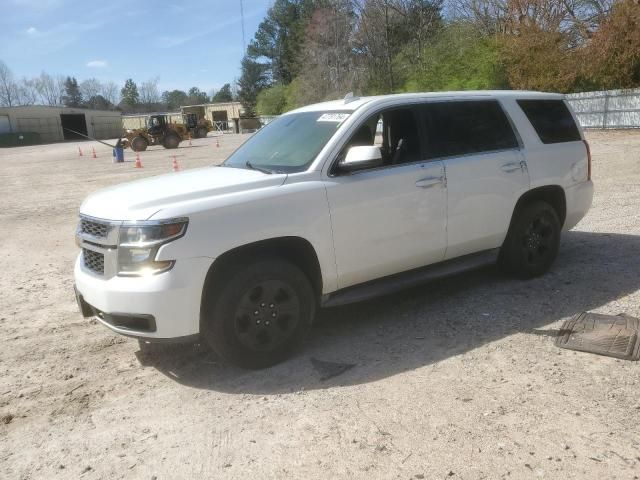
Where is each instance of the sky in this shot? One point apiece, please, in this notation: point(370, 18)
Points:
point(183, 43)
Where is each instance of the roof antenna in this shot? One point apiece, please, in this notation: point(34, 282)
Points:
point(350, 97)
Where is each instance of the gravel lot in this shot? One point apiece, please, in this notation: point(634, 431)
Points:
point(456, 379)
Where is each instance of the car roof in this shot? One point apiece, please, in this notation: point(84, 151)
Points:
point(351, 103)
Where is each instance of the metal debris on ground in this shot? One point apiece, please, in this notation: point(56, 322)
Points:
point(328, 370)
point(611, 335)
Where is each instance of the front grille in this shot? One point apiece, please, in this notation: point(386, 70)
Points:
point(94, 261)
point(94, 229)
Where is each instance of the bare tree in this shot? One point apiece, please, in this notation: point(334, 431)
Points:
point(578, 19)
point(8, 88)
point(50, 89)
point(111, 92)
point(149, 94)
point(27, 92)
point(90, 88)
point(387, 28)
point(330, 65)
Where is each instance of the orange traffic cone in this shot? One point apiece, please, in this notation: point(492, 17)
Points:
point(217, 143)
point(176, 168)
point(93, 152)
point(138, 162)
point(79, 152)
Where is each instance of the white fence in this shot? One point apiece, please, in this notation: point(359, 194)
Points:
point(607, 109)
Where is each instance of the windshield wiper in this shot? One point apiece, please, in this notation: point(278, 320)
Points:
point(260, 169)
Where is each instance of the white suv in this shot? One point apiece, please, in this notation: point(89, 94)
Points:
point(329, 204)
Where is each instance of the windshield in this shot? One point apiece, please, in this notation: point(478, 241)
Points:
point(289, 143)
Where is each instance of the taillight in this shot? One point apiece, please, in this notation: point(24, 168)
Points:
point(586, 144)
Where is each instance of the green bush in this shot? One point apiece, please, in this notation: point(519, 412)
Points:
point(272, 100)
point(457, 59)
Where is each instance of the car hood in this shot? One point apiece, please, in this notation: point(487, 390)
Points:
point(141, 199)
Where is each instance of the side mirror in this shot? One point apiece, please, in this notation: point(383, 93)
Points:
point(358, 158)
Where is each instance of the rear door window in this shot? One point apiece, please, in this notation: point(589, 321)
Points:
point(551, 120)
point(466, 127)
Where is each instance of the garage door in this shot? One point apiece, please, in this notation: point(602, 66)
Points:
point(48, 127)
point(5, 126)
point(105, 127)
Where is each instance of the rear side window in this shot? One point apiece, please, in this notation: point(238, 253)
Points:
point(551, 120)
point(460, 128)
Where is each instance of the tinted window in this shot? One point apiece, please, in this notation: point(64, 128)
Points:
point(459, 128)
point(551, 120)
point(394, 131)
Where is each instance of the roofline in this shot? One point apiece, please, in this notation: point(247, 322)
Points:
point(59, 107)
point(209, 104)
point(354, 103)
point(150, 113)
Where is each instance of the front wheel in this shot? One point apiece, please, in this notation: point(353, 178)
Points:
point(533, 241)
point(139, 144)
point(171, 141)
point(261, 312)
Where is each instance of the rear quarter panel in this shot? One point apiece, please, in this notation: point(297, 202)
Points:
point(563, 164)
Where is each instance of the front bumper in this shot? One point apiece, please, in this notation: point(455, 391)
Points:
point(157, 307)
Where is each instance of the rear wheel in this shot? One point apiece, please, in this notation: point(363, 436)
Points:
point(202, 132)
point(139, 144)
point(533, 240)
point(260, 314)
point(171, 141)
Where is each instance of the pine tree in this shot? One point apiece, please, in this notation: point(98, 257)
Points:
point(72, 96)
point(129, 93)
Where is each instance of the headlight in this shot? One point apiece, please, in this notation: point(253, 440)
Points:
point(139, 242)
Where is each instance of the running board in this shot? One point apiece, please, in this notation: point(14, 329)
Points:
point(400, 281)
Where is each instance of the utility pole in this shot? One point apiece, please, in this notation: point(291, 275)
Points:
point(244, 45)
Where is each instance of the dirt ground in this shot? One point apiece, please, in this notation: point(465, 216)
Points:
point(456, 379)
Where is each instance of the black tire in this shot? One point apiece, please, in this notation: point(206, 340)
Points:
point(259, 314)
point(533, 241)
point(171, 141)
point(139, 144)
point(202, 132)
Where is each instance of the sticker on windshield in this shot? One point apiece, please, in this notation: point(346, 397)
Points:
point(333, 117)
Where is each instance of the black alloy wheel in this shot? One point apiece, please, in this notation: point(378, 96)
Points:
point(258, 312)
point(532, 242)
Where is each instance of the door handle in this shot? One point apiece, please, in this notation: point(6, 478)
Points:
point(429, 182)
point(511, 167)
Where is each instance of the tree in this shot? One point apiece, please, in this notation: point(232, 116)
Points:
point(174, 99)
point(72, 96)
point(577, 18)
point(129, 94)
point(196, 96)
point(50, 89)
point(612, 59)
point(272, 100)
point(109, 92)
point(223, 95)
point(385, 28)
point(279, 38)
point(149, 94)
point(8, 87)
point(90, 89)
point(99, 103)
point(27, 92)
point(253, 79)
point(537, 59)
point(331, 68)
point(459, 58)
